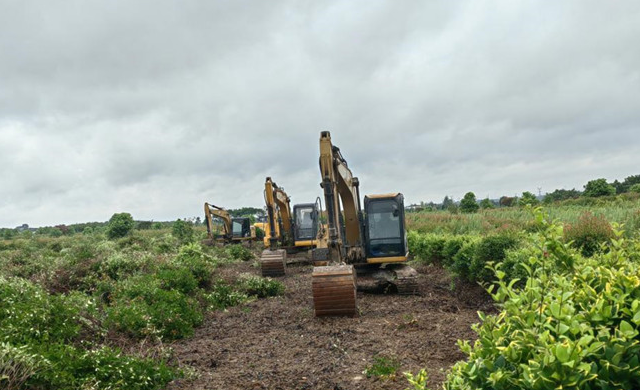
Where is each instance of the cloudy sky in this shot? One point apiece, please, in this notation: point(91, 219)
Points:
point(154, 107)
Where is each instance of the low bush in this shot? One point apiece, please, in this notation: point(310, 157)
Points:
point(223, 295)
point(589, 233)
point(383, 368)
point(199, 263)
point(18, 364)
point(182, 231)
point(427, 247)
point(142, 307)
point(575, 325)
point(461, 263)
point(239, 252)
point(260, 287)
point(490, 249)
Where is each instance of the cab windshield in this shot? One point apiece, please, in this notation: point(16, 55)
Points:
point(305, 223)
point(384, 229)
point(237, 228)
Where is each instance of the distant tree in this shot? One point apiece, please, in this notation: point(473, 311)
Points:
point(528, 198)
point(183, 231)
point(598, 187)
point(120, 224)
point(635, 188)
point(144, 225)
point(486, 203)
point(507, 201)
point(198, 221)
point(626, 185)
point(561, 194)
point(468, 204)
point(245, 211)
point(447, 202)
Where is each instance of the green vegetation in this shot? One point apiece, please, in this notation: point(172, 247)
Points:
point(383, 368)
point(568, 292)
point(468, 203)
point(598, 187)
point(120, 225)
point(183, 231)
point(574, 324)
point(68, 302)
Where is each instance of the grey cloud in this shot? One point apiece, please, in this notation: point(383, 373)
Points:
point(153, 107)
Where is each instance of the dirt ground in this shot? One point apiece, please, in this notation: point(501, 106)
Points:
point(277, 343)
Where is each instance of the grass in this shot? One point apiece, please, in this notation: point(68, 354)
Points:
point(621, 210)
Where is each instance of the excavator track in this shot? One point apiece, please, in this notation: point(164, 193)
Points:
point(406, 279)
point(273, 263)
point(392, 278)
point(334, 290)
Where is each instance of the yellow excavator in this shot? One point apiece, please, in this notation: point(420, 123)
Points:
point(234, 230)
point(286, 232)
point(368, 245)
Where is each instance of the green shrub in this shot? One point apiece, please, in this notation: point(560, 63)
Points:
point(426, 247)
point(223, 295)
point(141, 308)
point(515, 262)
point(451, 247)
point(382, 367)
point(418, 381)
point(463, 258)
point(101, 368)
point(164, 244)
point(17, 365)
point(199, 263)
point(28, 313)
point(134, 241)
point(239, 252)
point(574, 325)
point(180, 279)
point(489, 249)
point(119, 225)
point(589, 233)
point(260, 287)
point(120, 266)
point(183, 231)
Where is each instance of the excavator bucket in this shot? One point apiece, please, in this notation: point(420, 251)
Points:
point(334, 290)
point(273, 262)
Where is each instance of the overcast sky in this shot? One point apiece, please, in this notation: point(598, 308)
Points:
point(154, 107)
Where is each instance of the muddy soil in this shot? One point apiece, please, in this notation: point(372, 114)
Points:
point(277, 343)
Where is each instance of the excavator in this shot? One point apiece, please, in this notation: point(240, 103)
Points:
point(234, 230)
point(286, 232)
point(367, 244)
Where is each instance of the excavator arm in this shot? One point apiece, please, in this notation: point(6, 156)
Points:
point(279, 215)
point(341, 188)
point(212, 211)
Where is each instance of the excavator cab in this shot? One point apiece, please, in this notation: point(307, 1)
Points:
point(305, 222)
point(241, 227)
point(385, 233)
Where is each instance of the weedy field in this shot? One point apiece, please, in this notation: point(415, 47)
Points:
point(559, 305)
